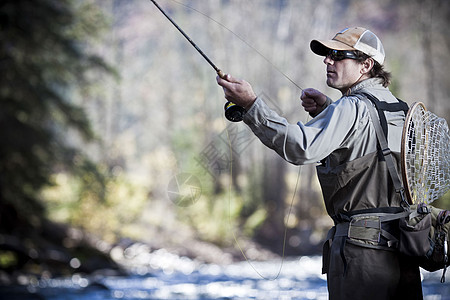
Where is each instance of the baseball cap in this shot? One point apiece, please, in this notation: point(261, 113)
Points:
point(356, 38)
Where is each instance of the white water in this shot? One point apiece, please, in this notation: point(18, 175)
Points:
point(182, 278)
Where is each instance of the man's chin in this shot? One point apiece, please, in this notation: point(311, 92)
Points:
point(330, 83)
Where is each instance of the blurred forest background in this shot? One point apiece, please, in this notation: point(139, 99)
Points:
point(112, 126)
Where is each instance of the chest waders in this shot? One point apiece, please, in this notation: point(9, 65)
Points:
point(417, 231)
point(375, 228)
point(360, 255)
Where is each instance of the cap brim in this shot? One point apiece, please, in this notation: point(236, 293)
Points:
point(322, 48)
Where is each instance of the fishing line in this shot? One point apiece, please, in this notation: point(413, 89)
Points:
point(238, 117)
point(233, 112)
point(242, 40)
point(285, 222)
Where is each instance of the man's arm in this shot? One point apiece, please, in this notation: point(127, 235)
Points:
point(303, 143)
point(296, 143)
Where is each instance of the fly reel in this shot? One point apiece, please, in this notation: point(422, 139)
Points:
point(233, 112)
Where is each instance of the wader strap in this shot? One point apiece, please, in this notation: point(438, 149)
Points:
point(385, 217)
point(365, 233)
point(385, 106)
point(342, 233)
point(344, 259)
point(365, 227)
point(392, 240)
point(386, 151)
point(340, 230)
point(326, 250)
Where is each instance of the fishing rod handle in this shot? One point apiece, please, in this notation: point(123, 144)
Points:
point(221, 74)
point(233, 112)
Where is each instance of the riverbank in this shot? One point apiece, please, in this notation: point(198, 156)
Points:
point(57, 250)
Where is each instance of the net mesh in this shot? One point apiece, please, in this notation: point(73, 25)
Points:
point(426, 156)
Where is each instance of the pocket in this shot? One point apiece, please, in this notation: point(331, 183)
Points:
point(414, 235)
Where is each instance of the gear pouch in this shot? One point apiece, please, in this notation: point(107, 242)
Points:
point(414, 233)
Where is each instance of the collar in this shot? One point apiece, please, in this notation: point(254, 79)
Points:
point(368, 83)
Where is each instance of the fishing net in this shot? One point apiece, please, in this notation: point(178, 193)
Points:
point(425, 155)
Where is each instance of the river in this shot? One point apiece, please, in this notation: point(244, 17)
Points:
point(298, 278)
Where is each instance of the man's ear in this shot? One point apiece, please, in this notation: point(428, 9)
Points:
point(367, 65)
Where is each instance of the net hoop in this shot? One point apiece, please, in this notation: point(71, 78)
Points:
point(416, 108)
point(425, 155)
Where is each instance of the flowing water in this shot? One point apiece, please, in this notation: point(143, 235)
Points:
point(184, 279)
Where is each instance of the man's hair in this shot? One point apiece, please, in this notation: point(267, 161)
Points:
point(377, 71)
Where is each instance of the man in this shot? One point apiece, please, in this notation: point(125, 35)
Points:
point(353, 174)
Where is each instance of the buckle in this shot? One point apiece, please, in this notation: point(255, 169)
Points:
point(386, 151)
point(423, 209)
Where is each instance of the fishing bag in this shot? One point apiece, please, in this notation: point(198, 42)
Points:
point(424, 231)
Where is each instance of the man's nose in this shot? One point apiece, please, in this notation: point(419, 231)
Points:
point(327, 60)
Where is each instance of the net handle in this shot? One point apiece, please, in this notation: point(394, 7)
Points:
point(404, 144)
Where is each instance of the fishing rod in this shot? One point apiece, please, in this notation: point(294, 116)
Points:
point(233, 112)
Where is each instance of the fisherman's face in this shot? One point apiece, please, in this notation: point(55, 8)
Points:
point(343, 74)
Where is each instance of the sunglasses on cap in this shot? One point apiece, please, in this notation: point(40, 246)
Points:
point(338, 55)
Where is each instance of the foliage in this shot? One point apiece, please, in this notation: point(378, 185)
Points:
point(43, 60)
point(104, 203)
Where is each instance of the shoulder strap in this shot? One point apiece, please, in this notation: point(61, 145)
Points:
point(385, 106)
point(398, 185)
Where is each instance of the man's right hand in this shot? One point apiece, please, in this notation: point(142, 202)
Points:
point(313, 101)
point(238, 91)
